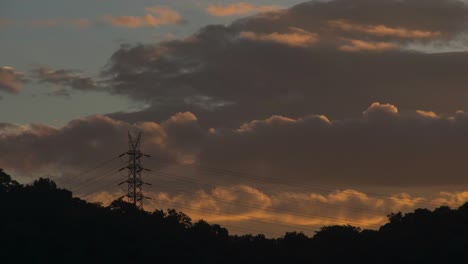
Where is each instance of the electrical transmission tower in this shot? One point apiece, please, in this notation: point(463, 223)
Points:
point(134, 181)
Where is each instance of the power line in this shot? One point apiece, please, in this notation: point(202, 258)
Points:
point(76, 177)
point(94, 180)
point(135, 195)
point(316, 187)
point(364, 210)
point(290, 212)
point(249, 217)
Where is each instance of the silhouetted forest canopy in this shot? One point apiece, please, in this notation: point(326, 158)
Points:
point(41, 223)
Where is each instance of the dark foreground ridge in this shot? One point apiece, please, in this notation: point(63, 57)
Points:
point(41, 223)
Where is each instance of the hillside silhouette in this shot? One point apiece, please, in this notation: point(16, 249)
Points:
point(41, 223)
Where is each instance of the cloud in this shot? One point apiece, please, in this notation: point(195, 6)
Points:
point(63, 77)
point(156, 16)
point(378, 108)
point(382, 30)
point(428, 114)
point(6, 22)
point(274, 214)
point(382, 147)
point(295, 62)
point(11, 129)
point(297, 38)
point(359, 45)
point(240, 8)
point(81, 141)
point(10, 80)
point(81, 22)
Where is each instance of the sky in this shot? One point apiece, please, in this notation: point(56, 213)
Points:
point(264, 116)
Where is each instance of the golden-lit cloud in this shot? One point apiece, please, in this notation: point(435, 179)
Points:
point(12, 129)
point(155, 17)
point(106, 198)
point(452, 197)
point(428, 114)
point(377, 107)
point(296, 37)
point(238, 9)
point(382, 30)
point(11, 80)
point(279, 121)
point(81, 22)
point(356, 45)
point(243, 206)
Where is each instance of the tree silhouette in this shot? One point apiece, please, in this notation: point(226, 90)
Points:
point(41, 223)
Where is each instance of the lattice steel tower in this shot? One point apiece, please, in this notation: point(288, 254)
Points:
point(134, 181)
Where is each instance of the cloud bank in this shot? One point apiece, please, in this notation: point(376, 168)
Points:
point(382, 147)
point(330, 57)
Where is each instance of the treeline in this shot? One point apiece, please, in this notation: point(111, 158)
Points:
point(40, 223)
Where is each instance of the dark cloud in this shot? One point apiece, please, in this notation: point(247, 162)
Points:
point(11, 80)
point(85, 141)
point(382, 147)
point(307, 59)
point(445, 16)
point(69, 78)
point(6, 126)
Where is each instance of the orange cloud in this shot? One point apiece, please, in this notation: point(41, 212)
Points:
point(80, 22)
point(105, 198)
point(382, 30)
point(452, 198)
point(428, 114)
point(157, 16)
point(360, 45)
point(11, 80)
point(378, 107)
point(277, 120)
point(238, 9)
point(245, 206)
point(6, 22)
point(297, 38)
